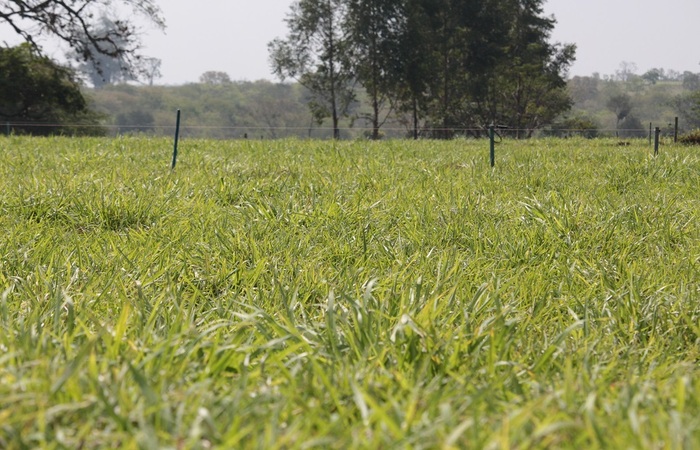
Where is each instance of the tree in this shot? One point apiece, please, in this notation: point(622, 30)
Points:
point(375, 28)
point(632, 127)
point(315, 55)
point(457, 64)
point(135, 121)
point(653, 76)
point(77, 23)
point(527, 88)
point(214, 77)
point(687, 106)
point(574, 126)
point(37, 94)
point(583, 89)
point(414, 65)
point(463, 40)
point(487, 61)
point(621, 105)
point(627, 71)
point(104, 68)
point(270, 106)
point(150, 69)
point(691, 81)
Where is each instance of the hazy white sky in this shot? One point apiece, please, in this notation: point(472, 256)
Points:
point(232, 35)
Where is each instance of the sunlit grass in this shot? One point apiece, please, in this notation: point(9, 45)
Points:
point(292, 294)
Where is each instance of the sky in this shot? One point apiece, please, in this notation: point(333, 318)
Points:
point(231, 36)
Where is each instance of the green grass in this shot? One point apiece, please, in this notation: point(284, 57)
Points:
point(300, 294)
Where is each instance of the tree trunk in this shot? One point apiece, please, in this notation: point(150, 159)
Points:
point(375, 116)
point(336, 129)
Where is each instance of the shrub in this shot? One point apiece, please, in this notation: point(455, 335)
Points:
point(690, 138)
point(574, 126)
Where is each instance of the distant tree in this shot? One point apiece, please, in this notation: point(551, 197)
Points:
point(214, 77)
point(626, 71)
point(691, 81)
point(632, 127)
point(150, 68)
point(583, 89)
point(40, 95)
point(78, 24)
point(636, 84)
point(315, 55)
point(653, 76)
point(621, 106)
point(135, 121)
point(574, 126)
point(673, 75)
point(104, 68)
point(269, 106)
point(687, 106)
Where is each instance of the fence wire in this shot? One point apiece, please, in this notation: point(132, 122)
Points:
point(313, 132)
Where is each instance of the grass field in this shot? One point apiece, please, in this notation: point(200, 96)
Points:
point(294, 294)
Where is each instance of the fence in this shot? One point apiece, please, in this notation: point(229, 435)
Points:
point(323, 132)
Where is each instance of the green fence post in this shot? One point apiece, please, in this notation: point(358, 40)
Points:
point(492, 147)
point(177, 137)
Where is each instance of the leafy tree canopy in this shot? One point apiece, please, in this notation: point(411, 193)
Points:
point(456, 64)
point(107, 69)
point(38, 95)
point(78, 23)
point(621, 105)
point(316, 54)
point(215, 77)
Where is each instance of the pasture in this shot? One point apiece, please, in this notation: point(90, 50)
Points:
point(312, 294)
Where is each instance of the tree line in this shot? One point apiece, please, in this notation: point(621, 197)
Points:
point(449, 66)
point(367, 68)
point(217, 107)
point(627, 103)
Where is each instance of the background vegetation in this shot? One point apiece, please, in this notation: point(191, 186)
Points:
point(269, 110)
point(452, 66)
point(216, 107)
point(379, 68)
point(628, 102)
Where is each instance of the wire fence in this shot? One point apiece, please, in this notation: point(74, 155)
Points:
point(323, 132)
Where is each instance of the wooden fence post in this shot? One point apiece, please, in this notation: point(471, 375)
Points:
point(657, 132)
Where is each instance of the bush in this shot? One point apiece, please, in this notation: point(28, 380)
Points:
point(631, 127)
point(574, 126)
point(690, 138)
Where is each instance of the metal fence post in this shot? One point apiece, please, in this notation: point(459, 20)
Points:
point(177, 137)
point(492, 146)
